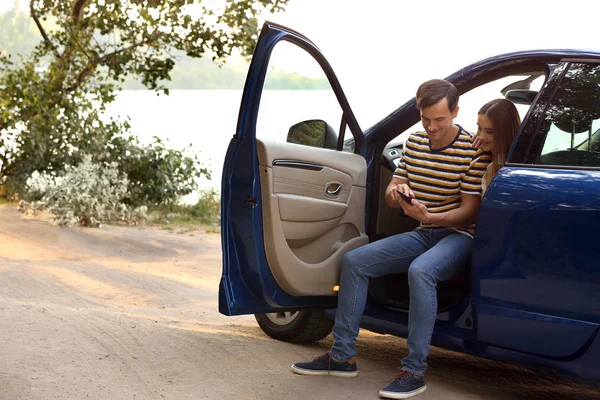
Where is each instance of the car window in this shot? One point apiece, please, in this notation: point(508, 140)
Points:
point(571, 122)
point(559, 139)
point(295, 90)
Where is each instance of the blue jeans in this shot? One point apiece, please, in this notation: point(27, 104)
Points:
point(429, 256)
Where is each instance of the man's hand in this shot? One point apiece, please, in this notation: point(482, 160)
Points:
point(392, 198)
point(413, 209)
point(416, 210)
point(463, 216)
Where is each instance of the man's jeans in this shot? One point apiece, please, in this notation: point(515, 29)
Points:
point(429, 256)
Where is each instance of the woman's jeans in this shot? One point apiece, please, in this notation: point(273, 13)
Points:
point(429, 256)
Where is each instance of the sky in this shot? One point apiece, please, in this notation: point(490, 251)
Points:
point(398, 44)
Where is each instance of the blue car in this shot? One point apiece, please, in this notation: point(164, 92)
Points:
point(303, 183)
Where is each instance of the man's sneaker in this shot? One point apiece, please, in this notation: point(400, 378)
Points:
point(327, 365)
point(404, 385)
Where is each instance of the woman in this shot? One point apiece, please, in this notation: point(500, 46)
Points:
point(497, 125)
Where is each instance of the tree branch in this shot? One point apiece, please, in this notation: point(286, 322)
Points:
point(82, 75)
point(41, 29)
point(108, 56)
point(77, 44)
point(77, 10)
point(94, 63)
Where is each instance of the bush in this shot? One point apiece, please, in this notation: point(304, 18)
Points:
point(207, 211)
point(87, 194)
point(157, 174)
point(208, 207)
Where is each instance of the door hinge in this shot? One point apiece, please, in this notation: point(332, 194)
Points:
point(251, 201)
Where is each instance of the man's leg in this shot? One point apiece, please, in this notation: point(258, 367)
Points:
point(450, 253)
point(386, 256)
point(390, 255)
point(444, 260)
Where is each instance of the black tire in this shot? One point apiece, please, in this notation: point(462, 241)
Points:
point(305, 326)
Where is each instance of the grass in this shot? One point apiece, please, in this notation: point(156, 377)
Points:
point(186, 218)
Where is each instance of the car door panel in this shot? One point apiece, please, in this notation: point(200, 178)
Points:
point(538, 334)
point(535, 262)
point(293, 208)
point(306, 230)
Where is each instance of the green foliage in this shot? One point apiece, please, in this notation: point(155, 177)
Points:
point(208, 208)
point(281, 80)
point(309, 133)
point(51, 102)
point(206, 211)
point(157, 174)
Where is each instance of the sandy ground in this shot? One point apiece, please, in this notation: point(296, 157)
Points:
point(131, 313)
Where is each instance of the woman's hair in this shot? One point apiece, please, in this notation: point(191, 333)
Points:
point(506, 121)
point(434, 90)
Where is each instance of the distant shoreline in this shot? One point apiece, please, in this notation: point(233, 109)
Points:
point(225, 89)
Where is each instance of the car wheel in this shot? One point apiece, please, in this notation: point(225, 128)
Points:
point(295, 326)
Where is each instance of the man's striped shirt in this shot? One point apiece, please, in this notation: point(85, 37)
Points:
point(438, 177)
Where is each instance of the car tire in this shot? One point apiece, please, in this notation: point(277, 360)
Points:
point(296, 326)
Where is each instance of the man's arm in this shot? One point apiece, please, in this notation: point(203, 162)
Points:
point(463, 216)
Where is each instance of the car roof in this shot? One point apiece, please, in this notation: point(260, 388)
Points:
point(534, 56)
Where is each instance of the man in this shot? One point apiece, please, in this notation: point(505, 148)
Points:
point(440, 176)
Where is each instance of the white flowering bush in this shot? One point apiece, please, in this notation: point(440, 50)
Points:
point(86, 194)
point(39, 184)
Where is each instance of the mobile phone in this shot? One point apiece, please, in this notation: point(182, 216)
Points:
point(404, 197)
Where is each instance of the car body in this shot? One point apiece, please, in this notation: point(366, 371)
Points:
point(532, 292)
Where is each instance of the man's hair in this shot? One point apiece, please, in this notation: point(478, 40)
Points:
point(434, 90)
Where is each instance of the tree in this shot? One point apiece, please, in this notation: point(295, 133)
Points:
point(52, 99)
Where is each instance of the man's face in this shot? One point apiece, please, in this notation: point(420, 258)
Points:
point(437, 120)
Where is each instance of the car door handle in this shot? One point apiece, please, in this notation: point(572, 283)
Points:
point(333, 189)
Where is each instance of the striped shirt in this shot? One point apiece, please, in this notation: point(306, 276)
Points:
point(438, 177)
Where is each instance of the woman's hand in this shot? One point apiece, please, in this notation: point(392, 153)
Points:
point(476, 140)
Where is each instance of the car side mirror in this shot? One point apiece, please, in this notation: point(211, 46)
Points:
point(314, 133)
point(521, 96)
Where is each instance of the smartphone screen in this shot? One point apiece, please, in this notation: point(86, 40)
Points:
point(404, 197)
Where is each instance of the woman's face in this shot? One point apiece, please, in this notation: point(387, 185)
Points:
point(485, 131)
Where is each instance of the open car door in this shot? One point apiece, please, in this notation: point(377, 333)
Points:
point(292, 200)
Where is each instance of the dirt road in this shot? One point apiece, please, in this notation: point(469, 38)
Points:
point(128, 313)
